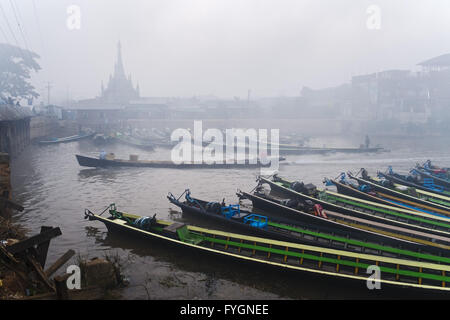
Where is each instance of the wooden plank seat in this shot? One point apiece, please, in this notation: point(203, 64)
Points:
point(183, 233)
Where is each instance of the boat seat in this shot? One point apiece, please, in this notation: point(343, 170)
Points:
point(256, 220)
point(171, 229)
point(186, 236)
point(231, 210)
point(242, 216)
point(120, 221)
point(178, 230)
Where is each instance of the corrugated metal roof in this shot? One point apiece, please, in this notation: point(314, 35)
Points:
point(442, 60)
point(9, 112)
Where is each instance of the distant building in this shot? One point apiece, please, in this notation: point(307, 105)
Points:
point(402, 96)
point(435, 78)
point(390, 95)
point(50, 111)
point(326, 102)
point(437, 64)
point(119, 101)
point(120, 89)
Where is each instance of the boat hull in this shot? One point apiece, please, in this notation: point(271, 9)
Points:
point(400, 218)
point(414, 204)
point(306, 150)
point(439, 181)
point(407, 183)
point(68, 139)
point(96, 163)
point(331, 226)
point(397, 194)
point(237, 224)
point(193, 251)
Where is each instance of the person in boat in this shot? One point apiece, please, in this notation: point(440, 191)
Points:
point(102, 155)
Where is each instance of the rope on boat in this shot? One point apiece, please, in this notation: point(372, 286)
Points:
point(89, 214)
point(356, 175)
point(187, 194)
point(112, 206)
point(256, 187)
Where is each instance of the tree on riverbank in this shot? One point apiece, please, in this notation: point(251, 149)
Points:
point(16, 65)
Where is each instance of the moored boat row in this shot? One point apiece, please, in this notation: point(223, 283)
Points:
point(303, 258)
point(338, 232)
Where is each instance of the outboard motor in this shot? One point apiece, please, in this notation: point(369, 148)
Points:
point(308, 189)
point(364, 174)
point(298, 186)
point(364, 188)
point(145, 223)
point(291, 203)
point(311, 189)
point(387, 183)
point(306, 206)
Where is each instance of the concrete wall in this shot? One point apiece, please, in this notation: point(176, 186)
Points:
point(14, 135)
point(5, 181)
point(42, 126)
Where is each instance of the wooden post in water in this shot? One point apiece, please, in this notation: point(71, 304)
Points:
point(5, 183)
point(62, 292)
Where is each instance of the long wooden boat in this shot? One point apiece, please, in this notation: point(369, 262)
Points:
point(102, 139)
point(403, 180)
point(433, 197)
point(284, 149)
point(393, 194)
point(96, 163)
point(363, 209)
point(316, 150)
point(429, 223)
point(134, 141)
point(441, 198)
point(442, 181)
point(353, 225)
point(67, 139)
point(290, 230)
point(373, 214)
point(428, 165)
point(434, 170)
point(233, 216)
point(282, 255)
point(384, 198)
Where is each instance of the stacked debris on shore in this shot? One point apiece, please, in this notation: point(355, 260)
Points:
point(23, 270)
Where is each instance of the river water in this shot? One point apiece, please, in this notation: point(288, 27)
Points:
point(55, 190)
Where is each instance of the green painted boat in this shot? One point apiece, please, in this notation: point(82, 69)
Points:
point(414, 183)
point(402, 190)
point(328, 234)
point(281, 255)
point(354, 226)
point(384, 197)
point(362, 208)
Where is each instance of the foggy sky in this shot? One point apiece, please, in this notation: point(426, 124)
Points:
point(225, 47)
